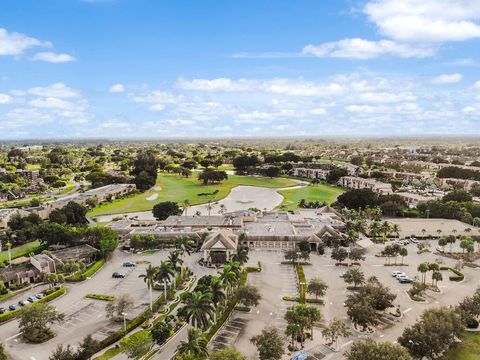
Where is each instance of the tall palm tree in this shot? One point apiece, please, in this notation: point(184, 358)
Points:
point(198, 309)
point(184, 244)
point(385, 229)
point(242, 255)
point(223, 209)
point(396, 230)
point(209, 207)
point(196, 344)
point(217, 290)
point(186, 205)
point(149, 278)
point(229, 277)
point(175, 259)
point(164, 272)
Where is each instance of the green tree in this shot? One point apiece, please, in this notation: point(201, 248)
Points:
point(317, 287)
point(370, 350)
point(423, 268)
point(149, 278)
point(3, 353)
point(61, 353)
point(136, 344)
point(248, 295)
point(161, 331)
point(339, 254)
point(35, 321)
point(196, 344)
point(433, 334)
point(217, 290)
point(198, 309)
point(354, 276)
point(87, 348)
point(226, 354)
point(269, 344)
point(242, 255)
point(163, 210)
point(121, 305)
point(334, 330)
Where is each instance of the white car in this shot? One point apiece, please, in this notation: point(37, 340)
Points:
point(400, 275)
point(396, 272)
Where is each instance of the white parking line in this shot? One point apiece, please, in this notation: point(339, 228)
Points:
point(407, 310)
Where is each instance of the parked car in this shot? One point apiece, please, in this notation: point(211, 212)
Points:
point(414, 240)
point(129, 264)
point(118, 275)
point(23, 302)
point(2, 310)
point(39, 296)
point(401, 274)
point(13, 307)
point(405, 280)
point(396, 272)
point(32, 299)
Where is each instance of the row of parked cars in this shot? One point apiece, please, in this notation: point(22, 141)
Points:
point(29, 300)
point(120, 275)
point(405, 242)
point(401, 277)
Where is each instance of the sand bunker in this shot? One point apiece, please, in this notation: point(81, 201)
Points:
point(152, 197)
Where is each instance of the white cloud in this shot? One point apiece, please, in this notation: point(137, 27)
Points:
point(318, 111)
point(117, 88)
point(53, 57)
point(5, 99)
point(179, 122)
point(367, 109)
point(13, 43)
point(477, 85)
point(426, 21)
point(362, 49)
point(384, 97)
point(51, 103)
point(220, 84)
point(155, 97)
point(57, 90)
point(447, 79)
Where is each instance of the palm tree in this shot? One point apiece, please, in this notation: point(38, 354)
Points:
point(242, 255)
point(149, 278)
point(186, 205)
point(423, 232)
point(217, 290)
point(223, 209)
point(437, 276)
point(403, 252)
point(385, 228)
point(198, 309)
point(396, 230)
point(229, 277)
point(439, 232)
point(184, 244)
point(196, 344)
point(423, 268)
point(209, 207)
point(164, 272)
point(174, 258)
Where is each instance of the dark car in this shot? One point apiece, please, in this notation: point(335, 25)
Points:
point(32, 299)
point(2, 310)
point(129, 264)
point(118, 275)
point(23, 303)
point(404, 280)
point(14, 307)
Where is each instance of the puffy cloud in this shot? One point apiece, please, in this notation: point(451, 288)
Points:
point(447, 79)
point(51, 103)
point(13, 43)
point(5, 99)
point(365, 49)
point(57, 90)
point(117, 88)
point(53, 57)
point(424, 21)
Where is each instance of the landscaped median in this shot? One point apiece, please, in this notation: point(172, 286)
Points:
point(13, 314)
point(88, 273)
point(100, 297)
point(458, 275)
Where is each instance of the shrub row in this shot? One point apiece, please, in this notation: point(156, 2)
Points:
point(308, 301)
point(100, 297)
point(13, 314)
point(87, 273)
point(13, 293)
point(302, 284)
point(458, 275)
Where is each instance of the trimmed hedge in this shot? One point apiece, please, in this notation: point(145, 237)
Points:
point(13, 293)
point(87, 273)
point(458, 275)
point(100, 297)
point(302, 288)
point(13, 314)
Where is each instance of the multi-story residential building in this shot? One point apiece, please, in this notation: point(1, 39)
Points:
point(353, 182)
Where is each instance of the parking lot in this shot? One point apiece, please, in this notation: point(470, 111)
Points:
point(86, 316)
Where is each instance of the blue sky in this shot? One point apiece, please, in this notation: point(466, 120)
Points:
point(154, 68)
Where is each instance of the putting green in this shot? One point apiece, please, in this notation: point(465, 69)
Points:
point(321, 192)
point(176, 188)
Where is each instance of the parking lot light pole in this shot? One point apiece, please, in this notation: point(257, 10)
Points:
point(124, 314)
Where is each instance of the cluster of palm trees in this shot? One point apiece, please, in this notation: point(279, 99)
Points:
point(202, 306)
point(425, 267)
point(164, 273)
point(369, 220)
point(394, 251)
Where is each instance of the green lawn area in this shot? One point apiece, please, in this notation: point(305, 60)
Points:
point(33, 167)
point(171, 187)
point(320, 192)
point(469, 349)
point(19, 250)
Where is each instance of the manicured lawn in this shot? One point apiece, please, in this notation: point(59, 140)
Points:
point(21, 250)
point(33, 167)
point(176, 188)
point(469, 349)
point(320, 192)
